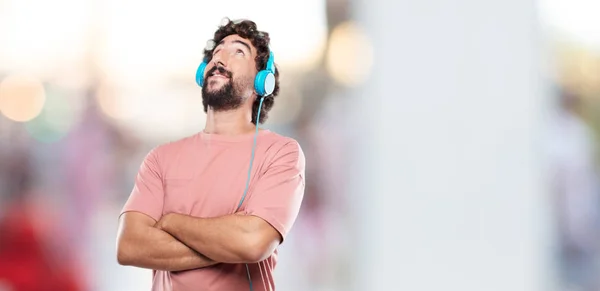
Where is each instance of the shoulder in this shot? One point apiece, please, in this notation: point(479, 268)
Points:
point(276, 142)
point(170, 150)
point(285, 148)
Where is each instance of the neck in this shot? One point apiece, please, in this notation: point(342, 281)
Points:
point(231, 122)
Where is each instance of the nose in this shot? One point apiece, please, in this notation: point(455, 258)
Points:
point(220, 59)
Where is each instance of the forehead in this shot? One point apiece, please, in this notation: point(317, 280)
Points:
point(235, 39)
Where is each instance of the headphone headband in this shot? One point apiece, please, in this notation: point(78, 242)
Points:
point(271, 62)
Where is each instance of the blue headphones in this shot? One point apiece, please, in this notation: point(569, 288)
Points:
point(264, 83)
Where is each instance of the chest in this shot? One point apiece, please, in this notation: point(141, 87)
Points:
point(212, 183)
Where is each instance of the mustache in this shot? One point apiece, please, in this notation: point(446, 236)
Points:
point(221, 71)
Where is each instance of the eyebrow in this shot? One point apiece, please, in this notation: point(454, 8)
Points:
point(237, 41)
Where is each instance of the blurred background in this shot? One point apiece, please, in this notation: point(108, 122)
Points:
point(448, 145)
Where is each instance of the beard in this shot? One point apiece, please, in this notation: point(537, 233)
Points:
point(228, 97)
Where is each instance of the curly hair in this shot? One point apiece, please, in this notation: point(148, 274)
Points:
point(260, 40)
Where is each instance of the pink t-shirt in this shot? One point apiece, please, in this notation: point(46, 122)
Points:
point(204, 175)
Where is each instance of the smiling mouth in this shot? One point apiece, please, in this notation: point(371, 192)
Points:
point(217, 75)
point(219, 72)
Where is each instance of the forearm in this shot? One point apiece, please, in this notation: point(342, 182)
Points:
point(158, 250)
point(225, 239)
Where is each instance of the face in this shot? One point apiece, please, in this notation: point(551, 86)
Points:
point(229, 76)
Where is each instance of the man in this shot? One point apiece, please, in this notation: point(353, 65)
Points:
point(182, 218)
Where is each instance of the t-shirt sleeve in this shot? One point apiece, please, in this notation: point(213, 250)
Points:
point(278, 193)
point(147, 195)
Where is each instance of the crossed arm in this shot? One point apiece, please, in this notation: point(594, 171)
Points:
point(235, 238)
point(180, 242)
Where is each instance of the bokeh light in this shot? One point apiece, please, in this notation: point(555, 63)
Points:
point(110, 103)
point(350, 54)
point(579, 70)
point(22, 97)
point(57, 118)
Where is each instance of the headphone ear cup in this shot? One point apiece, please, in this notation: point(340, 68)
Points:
point(264, 83)
point(269, 84)
point(200, 74)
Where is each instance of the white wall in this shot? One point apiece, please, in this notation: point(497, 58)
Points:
point(449, 193)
